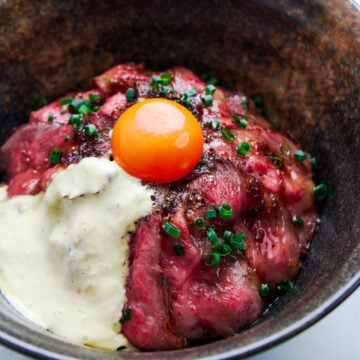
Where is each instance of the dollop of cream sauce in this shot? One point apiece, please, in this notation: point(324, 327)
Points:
point(64, 252)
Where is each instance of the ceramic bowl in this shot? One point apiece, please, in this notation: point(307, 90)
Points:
point(304, 59)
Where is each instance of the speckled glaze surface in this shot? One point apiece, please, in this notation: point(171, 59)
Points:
point(302, 56)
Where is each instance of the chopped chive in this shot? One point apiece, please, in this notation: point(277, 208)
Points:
point(178, 249)
point(297, 221)
point(84, 109)
point(172, 230)
point(213, 124)
point(225, 211)
point(126, 315)
point(191, 92)
point(223, 249)
point(243, 148)
point(299, 155)
point(276, 161)
point(74, 105)
point(214, 239)
point(94, 98)
point(165, 79)
point(75, 120)
point(227, 235)
point(232, 258)
point(130, 95)
point(66, 101)
point(90, 130)
point(55, 156)
point(185, 100)
point(67, 137)
point(228, 135)
point(155, 80)
point(210, 214)
point(207, 99)
point(50, 118)
point(210, 89)
point(199, 223)
point(285, 149)
point(264, 290)
point(212, 259)
point(321, 191)
point(237, 241)
point(240, 121)
point(285, 285)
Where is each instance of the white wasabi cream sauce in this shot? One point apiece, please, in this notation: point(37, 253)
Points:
point(64, 252)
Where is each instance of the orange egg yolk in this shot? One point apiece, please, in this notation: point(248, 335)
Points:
point(157, 140)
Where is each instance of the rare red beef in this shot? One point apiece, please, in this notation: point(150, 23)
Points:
point(176, 295)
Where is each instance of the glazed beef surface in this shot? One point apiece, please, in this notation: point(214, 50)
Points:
point(176, 299)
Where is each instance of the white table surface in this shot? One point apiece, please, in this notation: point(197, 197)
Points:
point(335, 337)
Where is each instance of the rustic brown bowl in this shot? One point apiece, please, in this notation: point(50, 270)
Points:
point(303, 57)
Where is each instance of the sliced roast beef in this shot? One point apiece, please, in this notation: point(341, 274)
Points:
point(175, 296)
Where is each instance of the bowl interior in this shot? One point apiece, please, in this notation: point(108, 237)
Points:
point(303, 58)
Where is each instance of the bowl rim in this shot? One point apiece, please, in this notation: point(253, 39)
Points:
point(253, 348)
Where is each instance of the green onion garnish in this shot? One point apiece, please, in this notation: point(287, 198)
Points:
point(126, 315)
point(185, 96)
point(321, 191)
point(178, 249)
point(75, 120)
point(84, 109)
point(210, 89)
point(55, 156)
point(264, 290)
point(206, 99)
point(237, 241)
point(172, 230)
point(90, 130)
point(298, 221)
point(243, 148)
point(227, 235)
point(67, 137)
point(165, 79)
point(213, 124)
point(223, 249)
point(214, 239)
point(232, 258)
point(276, 161)
point(299, 155)
point(121, 348)
point(191, 92)
point(199, 223)
point(210, 214)
point(95, 98)
point(130, 95)
point(285, 285)
point(285, 149)
point(228, 135)
point(212, 259)
point(240, 121)
point(225, 211)
point(50, 118)
point(65, 101)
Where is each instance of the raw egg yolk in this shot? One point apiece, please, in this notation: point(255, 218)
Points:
point(157, 140)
